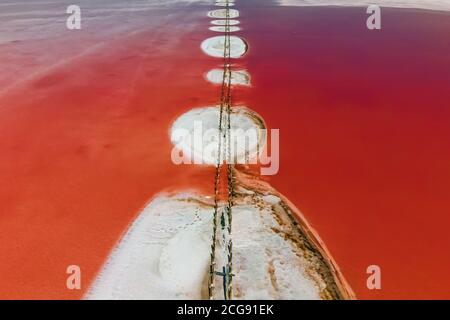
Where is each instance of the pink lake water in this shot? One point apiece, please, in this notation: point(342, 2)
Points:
point(363, 118)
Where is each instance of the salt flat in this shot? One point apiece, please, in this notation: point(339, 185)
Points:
point(443, 5)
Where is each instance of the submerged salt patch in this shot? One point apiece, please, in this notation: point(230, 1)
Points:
point(215, 46)
point(238, 77)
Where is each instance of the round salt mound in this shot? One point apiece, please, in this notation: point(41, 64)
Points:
point(222, 14)
point(196, 134)
point(224, 4)
point(224, 22)
point(224, 29)
point(215, 46)
point(238, 77)
point(225, 1)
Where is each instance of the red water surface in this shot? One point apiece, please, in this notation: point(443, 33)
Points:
point(85, 145)
point(363, 117)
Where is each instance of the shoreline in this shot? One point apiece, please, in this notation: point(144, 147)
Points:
point(384, 4)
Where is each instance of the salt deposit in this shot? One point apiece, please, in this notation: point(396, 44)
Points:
point(238, 77)
point(224, 22)
point(222, 14)
point(224, 29)
point(443, 5)
point(166, 253)
point(196, 134)
point(215, 46)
